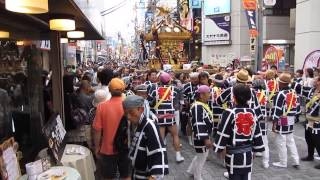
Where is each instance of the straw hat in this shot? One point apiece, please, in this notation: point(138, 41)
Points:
point(285, 78)
point(243, 76)
point(270, 74)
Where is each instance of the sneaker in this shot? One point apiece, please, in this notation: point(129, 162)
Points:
point(265, 165)
point(307, 158)
point(226, 175)
point(278, 164)
point(179, 158)
point(317, 166)
point(258, 154)
point(190, 174)
point(296, 166)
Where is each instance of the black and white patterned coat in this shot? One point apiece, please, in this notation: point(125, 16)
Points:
point(280, 110)
point(202, 126)
point(227, 97)
point(165, 111)
point(313, 110)
point(239, 133)
point(147, 151)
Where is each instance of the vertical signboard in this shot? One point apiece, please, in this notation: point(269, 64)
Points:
point(250, 7)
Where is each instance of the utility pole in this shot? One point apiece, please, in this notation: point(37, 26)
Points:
point(260, 37)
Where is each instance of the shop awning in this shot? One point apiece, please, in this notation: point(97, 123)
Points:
point(36, 27)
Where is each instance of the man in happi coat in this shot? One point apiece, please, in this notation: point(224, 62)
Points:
point(147, 151)
point(202, 125)
point(283, 115)
point(312, 131)
point(164, 100)
point(239, 133)
point(188, 93)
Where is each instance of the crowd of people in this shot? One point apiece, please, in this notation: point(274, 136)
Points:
point(125, 116)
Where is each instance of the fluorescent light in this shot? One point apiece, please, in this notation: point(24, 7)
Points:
point(4, 34)
point(64, 40)
point(75, 34)
point(62, 24)
point(27, 6)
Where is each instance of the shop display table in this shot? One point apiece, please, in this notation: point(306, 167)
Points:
point(68, 174)
point(84, 162)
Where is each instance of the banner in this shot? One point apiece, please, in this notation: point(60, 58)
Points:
point(195, 4)
point(312, 60)
point(250, 7)
point(217, 30)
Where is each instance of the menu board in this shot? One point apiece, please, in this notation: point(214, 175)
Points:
point(9, 166)
point(55, 133)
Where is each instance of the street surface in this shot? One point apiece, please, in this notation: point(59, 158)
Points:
point(213, 169)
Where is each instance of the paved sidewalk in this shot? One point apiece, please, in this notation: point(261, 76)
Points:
point(213, 169)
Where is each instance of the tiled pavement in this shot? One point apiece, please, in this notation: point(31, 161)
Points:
point(213, 169)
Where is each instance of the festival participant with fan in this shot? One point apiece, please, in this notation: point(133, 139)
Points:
point(202, 125)
point(239, 134)
point(283, 114)
point(164, 99)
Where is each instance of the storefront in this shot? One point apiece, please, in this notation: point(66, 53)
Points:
point(31, 54)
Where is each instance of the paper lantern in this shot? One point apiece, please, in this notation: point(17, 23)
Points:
point(4, 34)
point(27, 6)
point(75, 34)
point(62, 22)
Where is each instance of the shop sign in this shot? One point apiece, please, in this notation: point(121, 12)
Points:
point(217, 30)
point(253, 45)
point(195, 4)
point(250, 7)
point(312, 60)
point(271, 55)
point(214, 7)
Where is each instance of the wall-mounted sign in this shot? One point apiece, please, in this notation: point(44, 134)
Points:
point(253, 45)
point(250, 7)
point(213, 7)
point(45, 45)
point(217, 30)
point(195, 4)
point(312, 60)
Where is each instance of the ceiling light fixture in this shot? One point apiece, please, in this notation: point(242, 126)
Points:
point(27, 6)
point(75, 34)
point(62, 22)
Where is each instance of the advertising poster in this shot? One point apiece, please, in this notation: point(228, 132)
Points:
point(217, 30)
point(214, 7)
point(275, 55)
point(55, 133)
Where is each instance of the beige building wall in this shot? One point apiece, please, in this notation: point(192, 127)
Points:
point(239, 38)
point(307, 30)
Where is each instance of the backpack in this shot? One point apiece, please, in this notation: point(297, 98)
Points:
point(121, 139)
point(78, 115)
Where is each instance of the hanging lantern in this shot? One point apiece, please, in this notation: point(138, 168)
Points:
point(75, 34)
point(64, 40)
point(4, 34)
point(27, 6)
point(62, 22)
point(19, 43)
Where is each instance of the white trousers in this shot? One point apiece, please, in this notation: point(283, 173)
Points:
point(286, 142)
point(197, 164)
point(177, 118)
point(265, 154)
